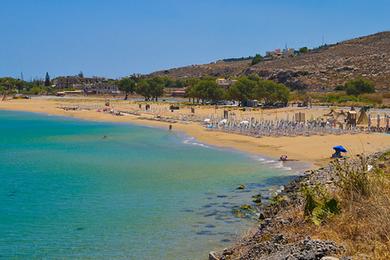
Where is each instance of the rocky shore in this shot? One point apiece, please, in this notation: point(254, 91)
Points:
point(274, 236)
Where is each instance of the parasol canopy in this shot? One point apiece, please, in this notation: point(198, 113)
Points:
point(340, 148)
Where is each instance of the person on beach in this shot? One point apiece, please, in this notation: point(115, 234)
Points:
point(283, 158)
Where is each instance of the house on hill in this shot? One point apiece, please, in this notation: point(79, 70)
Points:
point(225, 83)
point(278, 53)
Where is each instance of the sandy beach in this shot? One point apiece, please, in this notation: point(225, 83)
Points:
point(315, 150)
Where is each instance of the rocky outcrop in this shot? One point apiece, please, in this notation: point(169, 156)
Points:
point(269, 241)
point(279, 248)
point(327, 67)
point(215, 69)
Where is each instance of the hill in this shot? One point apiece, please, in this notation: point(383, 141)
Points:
point(320, 69)
point(217, 69)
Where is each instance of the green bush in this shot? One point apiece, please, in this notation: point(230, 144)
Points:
point(36, 90)
point(359, 86)
point(258, 58)
point(339, 88)
point(319, 205)
point(303, 50)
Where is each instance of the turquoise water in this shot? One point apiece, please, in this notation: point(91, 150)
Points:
point(140, 193)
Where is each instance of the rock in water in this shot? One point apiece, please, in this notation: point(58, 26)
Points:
point(241, 187)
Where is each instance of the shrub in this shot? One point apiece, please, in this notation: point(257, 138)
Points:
point(375, 98)
point(386, 95)
point(36, 90)
point(258, 58)
point(303, 50)
point(359, 86)
point(339, 88)
point(353, 179)
point(319, 205)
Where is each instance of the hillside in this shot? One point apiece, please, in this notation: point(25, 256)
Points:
point(217, 69)
point(318, 70)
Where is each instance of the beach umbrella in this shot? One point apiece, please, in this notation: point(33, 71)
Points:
point(340, 148)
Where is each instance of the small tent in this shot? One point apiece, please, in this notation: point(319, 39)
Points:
point(363, 118)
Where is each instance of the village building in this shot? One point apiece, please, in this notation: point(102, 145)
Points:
point(225, 83)
point(175, 92)
point(101, 88)
point(279, 53)
point(94, 85)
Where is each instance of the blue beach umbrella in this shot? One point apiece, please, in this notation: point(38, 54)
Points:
point(340, 148)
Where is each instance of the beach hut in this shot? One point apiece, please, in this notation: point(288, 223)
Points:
point(363, 118)
point(300, 117)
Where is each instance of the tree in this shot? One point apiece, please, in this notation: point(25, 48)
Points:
point(209, 90)
point(151, 88)
point(157, 85)
point(242, 90)
point(359, 86)
point(47, 80)
point(303, 50)
point(271, 92)
point(127, 85)
point(275, 92)
point(206, 89)
point(189, 83)
point(9, 84)
point(143, 89)
point(36, 90)
point(258, 58)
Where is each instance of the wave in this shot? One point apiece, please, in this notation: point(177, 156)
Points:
point(272, 163)
point(191, 141)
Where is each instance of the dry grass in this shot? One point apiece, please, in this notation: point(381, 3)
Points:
point(364, 224)
point(376, 98)
point(362, 227)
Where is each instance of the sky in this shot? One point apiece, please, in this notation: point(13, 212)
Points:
point(116, 38)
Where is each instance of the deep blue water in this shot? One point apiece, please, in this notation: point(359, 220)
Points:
point(66, 191)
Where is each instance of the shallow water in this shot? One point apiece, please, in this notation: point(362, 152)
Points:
point(138, 193)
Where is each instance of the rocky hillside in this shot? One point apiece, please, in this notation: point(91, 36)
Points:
point(217, 69)
point(318, 70)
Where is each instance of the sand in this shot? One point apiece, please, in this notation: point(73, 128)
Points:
point(314, 150)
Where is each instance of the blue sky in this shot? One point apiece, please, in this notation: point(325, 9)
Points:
point(114, 38)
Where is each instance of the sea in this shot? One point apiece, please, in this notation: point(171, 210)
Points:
point(75, 189)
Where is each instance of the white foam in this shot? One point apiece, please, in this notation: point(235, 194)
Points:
point(191, 141)
point(269, 161)
point(278, 165)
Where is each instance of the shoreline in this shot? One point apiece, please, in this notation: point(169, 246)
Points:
point(203, 136)
point(266, 160)
point(278, 234)
point(313, 150)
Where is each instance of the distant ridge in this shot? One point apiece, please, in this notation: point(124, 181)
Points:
point(321, 69)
